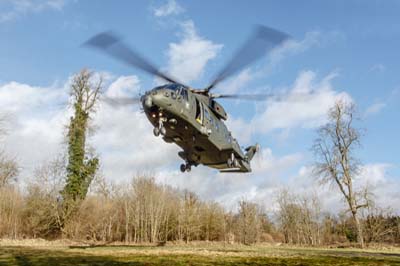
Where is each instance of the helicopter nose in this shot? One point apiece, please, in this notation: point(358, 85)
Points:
point(148, 101)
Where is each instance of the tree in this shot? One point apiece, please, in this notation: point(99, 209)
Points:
point(334, 148)
point(80, 168)
point(8, 166)
point(249, 222)
point(8, 170)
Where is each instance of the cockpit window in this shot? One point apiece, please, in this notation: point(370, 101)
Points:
point(174, 87)
point(184, 94)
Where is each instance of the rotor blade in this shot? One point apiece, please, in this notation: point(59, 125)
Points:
point(251, 97)
point(262, 40)
point(276, 97)
point(121, 101)
point(113, 46)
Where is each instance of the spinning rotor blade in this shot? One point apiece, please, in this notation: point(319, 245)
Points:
point(262, 40)
point(251, 97)
point(121, 101)
point(113, 46)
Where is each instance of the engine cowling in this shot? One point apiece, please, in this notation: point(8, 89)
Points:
point(218, 110)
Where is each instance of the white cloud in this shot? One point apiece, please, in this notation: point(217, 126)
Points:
point(304, 105)
point(292, 46)
point(124, 86)
point(126, 145)
point(12, 9)
point(38, 116)
point(374, 108)
point(187, 59)
point(311, 39)
point(35, 122)
point(169, 8)
point(238, 82)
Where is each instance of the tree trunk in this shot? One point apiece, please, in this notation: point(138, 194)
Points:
point(360, 237)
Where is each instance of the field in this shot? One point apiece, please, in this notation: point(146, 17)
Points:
point(200, 254)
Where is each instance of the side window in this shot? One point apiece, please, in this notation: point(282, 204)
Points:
point(206, 114)
point(199, 117)
point(184, 94)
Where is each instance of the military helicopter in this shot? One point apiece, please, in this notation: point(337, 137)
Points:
point(192, 118)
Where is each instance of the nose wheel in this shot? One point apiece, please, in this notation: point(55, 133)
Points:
point(185, 167)
point(160, 129)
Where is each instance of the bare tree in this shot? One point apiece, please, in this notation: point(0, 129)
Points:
point(8, 166)
point(249, 222)
point(8, 170)
point(336, 164)
point(42, 211)
point(299, 218)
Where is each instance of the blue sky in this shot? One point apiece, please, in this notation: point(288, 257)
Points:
point(339, 49)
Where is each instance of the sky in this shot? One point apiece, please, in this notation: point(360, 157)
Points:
point(338, 50)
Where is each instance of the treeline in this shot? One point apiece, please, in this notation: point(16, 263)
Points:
point(144, 211)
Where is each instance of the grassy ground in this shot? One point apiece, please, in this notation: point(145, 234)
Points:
point(192, 255)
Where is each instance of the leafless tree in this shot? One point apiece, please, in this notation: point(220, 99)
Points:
point(336, 163)
point(42, 210)
point(249, 222)
point(8, 170)
point(299, 218)
point(8, 166)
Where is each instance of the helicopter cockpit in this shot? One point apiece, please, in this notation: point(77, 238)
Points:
point(177, 91)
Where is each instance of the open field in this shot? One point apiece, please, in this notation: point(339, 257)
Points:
point(203, 254)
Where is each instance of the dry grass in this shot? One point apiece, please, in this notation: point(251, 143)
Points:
point(41, 252)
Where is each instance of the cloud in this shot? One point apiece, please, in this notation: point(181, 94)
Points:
point(288, 48)
point(124, 86)
point(36, 117)
point(304, 105)
point(237, 83)
point(311, 39)
point(188, 58)
point(12, 9)
point(123, 138)
point(292, 46)
point(125, 142)
point(384, 188)
point(374, 108)
point(126, 146)
point(169, 8)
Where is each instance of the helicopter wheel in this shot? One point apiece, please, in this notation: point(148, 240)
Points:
point(236, 163)
point(156, 131)
point(163, 131)
point(183, 168)
point(229, 163)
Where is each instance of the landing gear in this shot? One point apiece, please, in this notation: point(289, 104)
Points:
point(163, 131)
point(156, 131)
point(160, 129)
point(233, 162)
point(185, 167)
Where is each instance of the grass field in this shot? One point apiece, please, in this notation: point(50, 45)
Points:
point(192, 255)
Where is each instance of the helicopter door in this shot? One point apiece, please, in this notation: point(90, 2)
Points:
point(199, 112)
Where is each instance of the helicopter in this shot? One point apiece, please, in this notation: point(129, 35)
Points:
point(189, 117)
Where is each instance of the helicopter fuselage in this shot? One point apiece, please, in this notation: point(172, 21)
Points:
point(194, 122)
